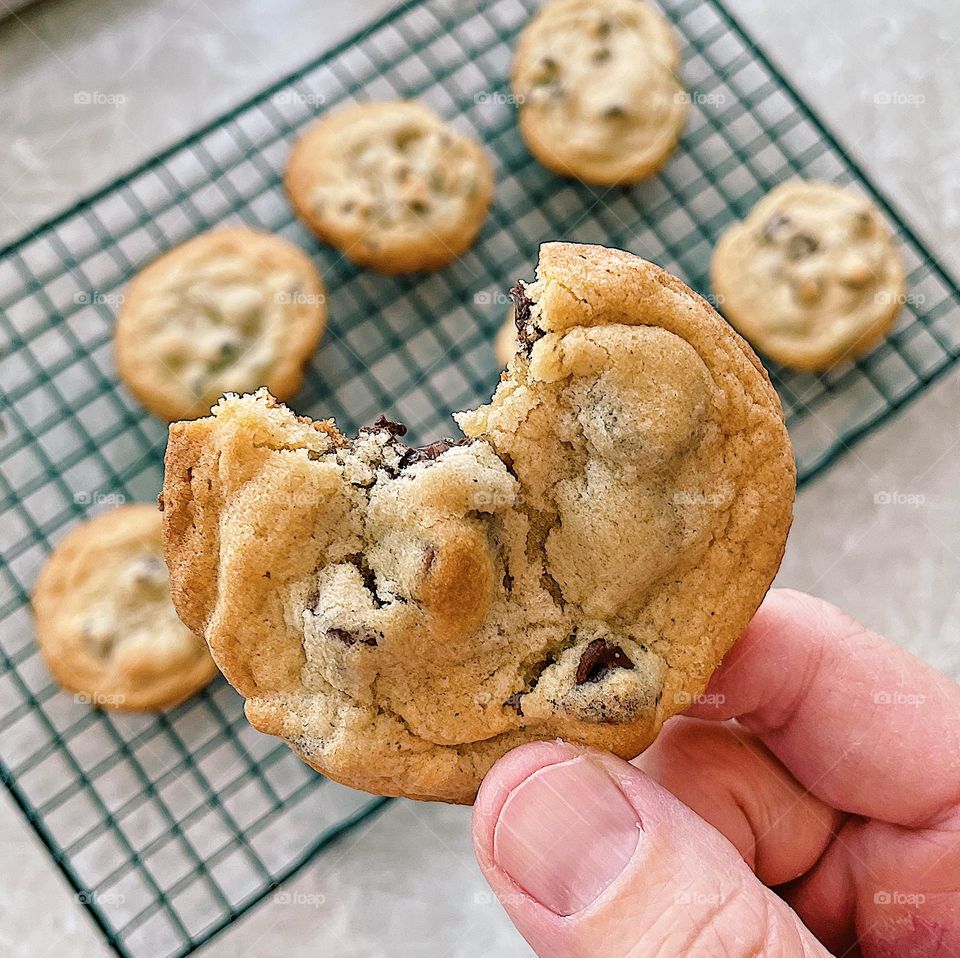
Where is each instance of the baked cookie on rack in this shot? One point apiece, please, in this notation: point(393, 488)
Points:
point(811, 277)
point(105, 623)
point(576, 566)
point(391, 185)
point(598, 90)
point(228, 311)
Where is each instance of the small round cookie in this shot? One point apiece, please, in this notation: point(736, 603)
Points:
point(228, 311)
point(577, 566)
point(811, 276)
point(505, 342)
point(598, 91)
point(105, 623)
point(391, 185)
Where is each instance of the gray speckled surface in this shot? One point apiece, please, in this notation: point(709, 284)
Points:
point(883, 74)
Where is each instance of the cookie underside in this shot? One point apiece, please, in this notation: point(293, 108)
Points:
point(576, 567)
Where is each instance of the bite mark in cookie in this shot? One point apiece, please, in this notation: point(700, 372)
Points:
point(575, 568)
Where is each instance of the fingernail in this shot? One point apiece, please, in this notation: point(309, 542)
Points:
point(565, 833)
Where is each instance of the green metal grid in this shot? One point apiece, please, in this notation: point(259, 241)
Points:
point(168, 828)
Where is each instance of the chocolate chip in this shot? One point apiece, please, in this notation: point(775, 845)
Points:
point(615, 112)
point(599, 658)
point(429, 453)
point(548, 71)
point(527, 331)
point(383, 424)
point(349, 637)
point(801, 245)
point(776, 228)
point(513, 702)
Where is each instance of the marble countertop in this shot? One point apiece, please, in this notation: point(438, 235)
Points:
point(407, 884)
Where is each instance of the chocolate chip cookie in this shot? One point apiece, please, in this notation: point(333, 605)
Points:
point(811, 276)
point(598, 91)
point(228, 311)
point(105, 623)
point(391, 185)
point(576, 566)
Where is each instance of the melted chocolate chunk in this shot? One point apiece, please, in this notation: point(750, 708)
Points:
point(383, 424)
point(527, 331)
point(430, 452)
point(348, 637)
point(801, 245)
point(513, 702)
point(599, 658)
point(776, 228)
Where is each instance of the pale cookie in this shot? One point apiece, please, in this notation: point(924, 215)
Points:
point(105, 623)
point(576, 567)
point(391, 185)
point(598, 90)
point(228, 311)
point(811, 276)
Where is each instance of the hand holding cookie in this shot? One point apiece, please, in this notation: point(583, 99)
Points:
point(822, 794)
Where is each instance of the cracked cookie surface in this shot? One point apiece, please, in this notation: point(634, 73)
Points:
point(598, 91)
point(391, 185)
point(811, 276)
point(575, 567)
point(228, 311)
point(105, 623)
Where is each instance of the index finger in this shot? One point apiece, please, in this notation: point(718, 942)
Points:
point(860, 722)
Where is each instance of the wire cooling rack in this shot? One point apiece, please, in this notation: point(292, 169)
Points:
point(170, 827)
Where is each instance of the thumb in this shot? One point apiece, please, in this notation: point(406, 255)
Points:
point(591, 857)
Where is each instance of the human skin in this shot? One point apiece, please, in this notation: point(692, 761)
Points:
point(807, 804)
